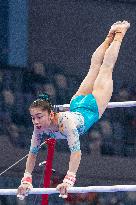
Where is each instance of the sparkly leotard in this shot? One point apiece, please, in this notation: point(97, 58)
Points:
point(82, 115)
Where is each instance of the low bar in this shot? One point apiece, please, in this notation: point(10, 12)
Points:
point(115, 188)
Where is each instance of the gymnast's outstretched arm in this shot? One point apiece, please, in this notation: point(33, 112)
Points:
point(26, 182)
point(30, 163)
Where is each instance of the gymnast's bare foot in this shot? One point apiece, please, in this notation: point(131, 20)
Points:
point(119, 29)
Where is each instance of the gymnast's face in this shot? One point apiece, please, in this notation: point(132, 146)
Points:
point(41, 119)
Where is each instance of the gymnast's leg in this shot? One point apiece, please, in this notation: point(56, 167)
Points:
point(103, 86)
point(86, 86)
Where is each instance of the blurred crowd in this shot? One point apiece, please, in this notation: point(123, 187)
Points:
point(114, 134)
point(20, 86)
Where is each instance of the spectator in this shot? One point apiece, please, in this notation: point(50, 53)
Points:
point(35, 75)
point(106, 128)
point(107, 140)
point(50, 89)
point(9, 102)
point(8, 97)
point(95, 141)
point(15, 136)
point(39, 69)
point(62, 88)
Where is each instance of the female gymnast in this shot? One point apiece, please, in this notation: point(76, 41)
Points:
point(86, 107)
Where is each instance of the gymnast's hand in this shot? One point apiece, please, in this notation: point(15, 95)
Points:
point(63, 189)
point(25, 187)
point(68, 182)
point(23, 191)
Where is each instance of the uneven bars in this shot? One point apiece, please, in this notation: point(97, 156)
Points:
point(110, 105)
point(88, 189)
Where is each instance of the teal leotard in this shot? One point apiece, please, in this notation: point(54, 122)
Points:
point(87, 106)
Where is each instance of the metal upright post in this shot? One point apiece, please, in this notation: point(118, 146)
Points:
point(48, 167)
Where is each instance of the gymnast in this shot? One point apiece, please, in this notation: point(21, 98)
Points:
point(86, 108)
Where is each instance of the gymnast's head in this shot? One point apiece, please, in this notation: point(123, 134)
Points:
point(41, 111)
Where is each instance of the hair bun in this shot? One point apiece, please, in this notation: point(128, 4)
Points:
point(43, 96)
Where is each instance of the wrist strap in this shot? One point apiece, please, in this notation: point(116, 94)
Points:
point(70, 178)
point(27, 179)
